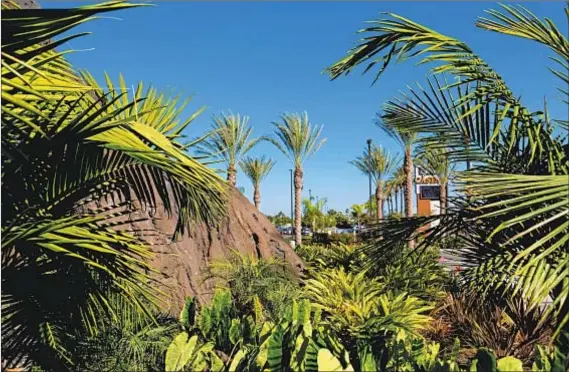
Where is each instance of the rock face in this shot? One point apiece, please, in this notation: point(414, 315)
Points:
point(181, 263)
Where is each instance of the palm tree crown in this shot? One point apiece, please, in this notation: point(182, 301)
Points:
point(229, 140)
point(256, 169)
point(377, 163)
point(297, 138)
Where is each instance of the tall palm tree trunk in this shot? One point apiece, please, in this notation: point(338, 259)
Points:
point(379, 200)
point(232, 175)
point(402, 202)
point(443, 197)
point(446, 195)
point(257, 197)
point(408, 182)
point(409, 187)
point(297, 211)
point(396, 196)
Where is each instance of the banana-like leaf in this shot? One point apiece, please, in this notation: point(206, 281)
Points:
point(180, 352)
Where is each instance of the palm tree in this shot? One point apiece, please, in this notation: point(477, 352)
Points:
point(257, 170)
point(314, 213)
point(399, 180)
point(375, 163)
point(228, 141)
point(389, 192)
point(406, 138)
point(513, 217)
point(298, 139)
point(358, 211)
point(436, 162)
point(62, 152)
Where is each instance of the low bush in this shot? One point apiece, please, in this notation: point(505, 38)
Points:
point(342, 239)
point(271, 280)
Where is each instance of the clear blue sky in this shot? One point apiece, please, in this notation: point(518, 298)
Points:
point(265, 58)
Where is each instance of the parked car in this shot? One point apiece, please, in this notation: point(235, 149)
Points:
point(284, 230)
point(306, 231)
point(348, 230)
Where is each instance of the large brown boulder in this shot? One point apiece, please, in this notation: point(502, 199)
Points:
point(180, 263)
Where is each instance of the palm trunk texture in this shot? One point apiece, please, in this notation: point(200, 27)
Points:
point(409, 187)
point(379, 200)
point(257, 197)
point(232, 175)
point(297, 211)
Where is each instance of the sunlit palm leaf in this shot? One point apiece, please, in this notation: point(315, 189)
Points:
point(229, 139)
point(296, 138)
point(519, 21)
point(66, 143)
point(257, 169)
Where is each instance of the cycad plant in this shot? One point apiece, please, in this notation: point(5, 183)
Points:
point(67, 144)
point(229, 140)
point(512, 216)
point(257, 169)
point(298, 139)
point(376, 163)
point(270, 280)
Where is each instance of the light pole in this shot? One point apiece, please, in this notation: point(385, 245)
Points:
point(369, 176)
point(291, 204)
point(310, 194)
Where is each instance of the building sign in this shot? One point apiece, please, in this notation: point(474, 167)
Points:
point(422, 177)
point(429, 192)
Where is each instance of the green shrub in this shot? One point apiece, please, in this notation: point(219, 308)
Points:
point(271, 280)
point(420, 275)
point(342, 239)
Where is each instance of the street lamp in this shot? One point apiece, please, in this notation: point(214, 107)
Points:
point(369, 176)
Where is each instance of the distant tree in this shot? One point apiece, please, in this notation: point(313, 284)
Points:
point(298, 139)
point(280, 219)
point(229, 139)
point(314, 216)
point(377, 163)
point(256, 170)
point(342, 220)
point(358, 212)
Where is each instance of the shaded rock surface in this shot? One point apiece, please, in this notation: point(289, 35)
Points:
point(181, 263)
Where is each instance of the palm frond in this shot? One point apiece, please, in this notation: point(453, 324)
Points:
point(257, 168)
point(297, 138)
point(68, 145)
point(230, 139)
point(520, 22)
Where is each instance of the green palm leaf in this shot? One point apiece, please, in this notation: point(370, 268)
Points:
point(69, 144)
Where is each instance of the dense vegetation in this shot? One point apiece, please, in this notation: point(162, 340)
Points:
point(78, 292)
